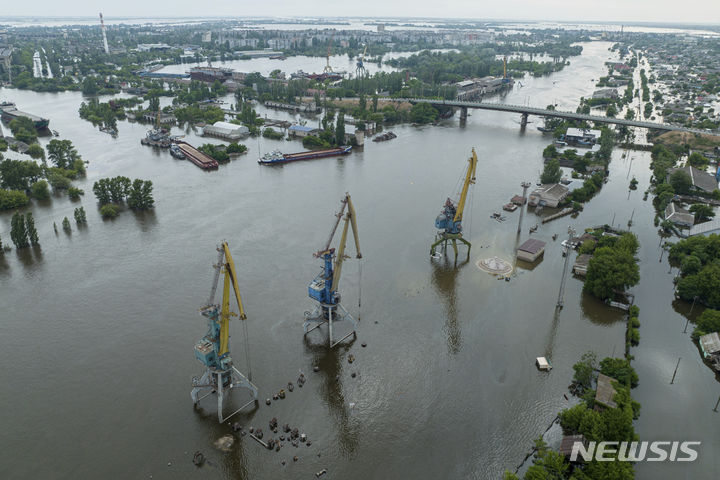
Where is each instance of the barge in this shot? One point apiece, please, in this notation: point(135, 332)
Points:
point(277, 157)
point(9, 112)
point(196, 156)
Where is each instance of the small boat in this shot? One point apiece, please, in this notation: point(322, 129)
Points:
point(510, 207)
point(55, 133)
point(534, 228)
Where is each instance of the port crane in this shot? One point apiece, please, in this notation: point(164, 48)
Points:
point(213, 349)
point(360, 70)
point(328, 68)
point(449, 222)
point(324, 287)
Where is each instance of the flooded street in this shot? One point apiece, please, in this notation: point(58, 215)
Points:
point(98, 327)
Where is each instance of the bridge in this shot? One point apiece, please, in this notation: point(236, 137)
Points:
point(542, 112)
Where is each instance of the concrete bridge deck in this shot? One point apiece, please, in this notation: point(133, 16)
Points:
point(542, 112)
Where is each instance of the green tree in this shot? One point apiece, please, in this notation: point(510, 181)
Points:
point(585, 370)
point(702, 212)
point(340, 129)
point(66, 225)
point(31, 230)
point(610, 270)
point(707, 322)
point(74, 193)
point(109, 210)
point(423, 113)
point(19, 174)
point(40, 190)
point(374, 102)
point(621, 370)
point(680, 182)
point(697, 160)
point(80, 216)
point(551, 173)
point(62, 153)
point(36, 151)
point(23, 129)
point(611, 110)
point(18, 231)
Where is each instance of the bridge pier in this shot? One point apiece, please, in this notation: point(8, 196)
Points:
point(523, 121)
point(463, 114)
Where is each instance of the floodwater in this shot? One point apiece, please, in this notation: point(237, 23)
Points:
point(98, 326)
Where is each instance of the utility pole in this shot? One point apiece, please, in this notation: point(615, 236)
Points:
point(675, 372)
point(525, 186)
point(559, 305)
point(716, 405)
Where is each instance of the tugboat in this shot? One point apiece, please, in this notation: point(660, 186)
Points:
point(177, 152)
point(157, 138)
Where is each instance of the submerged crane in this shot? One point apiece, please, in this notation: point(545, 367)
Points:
point(360, 70)
point(213, 350)
point(324, 287)
point(328, 68)
point(449, 222)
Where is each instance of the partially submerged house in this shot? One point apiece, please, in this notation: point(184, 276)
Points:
point(531, 250)
point(700, 180)
point(679, 216)
point(549, 195)
point(605, 391)
point(580, 267)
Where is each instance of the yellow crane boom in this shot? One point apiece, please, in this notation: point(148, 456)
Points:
point(225, 314)
point(350, 219)
point(469, 180)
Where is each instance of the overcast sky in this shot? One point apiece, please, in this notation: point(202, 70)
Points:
point(693, 11)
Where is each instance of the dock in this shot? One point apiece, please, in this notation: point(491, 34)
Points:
point(197, 157)
point(561, 213)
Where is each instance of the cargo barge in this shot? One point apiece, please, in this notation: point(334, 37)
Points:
point(277, 157)
point(9, 112)
point(196, 156)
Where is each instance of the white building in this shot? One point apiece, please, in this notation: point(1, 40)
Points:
point(226, 131)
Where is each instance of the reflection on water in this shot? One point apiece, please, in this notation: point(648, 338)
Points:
point(444, 278)
point(598, 312)
point(331, 391)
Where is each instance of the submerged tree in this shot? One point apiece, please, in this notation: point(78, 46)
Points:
point(18, 231)
point(31, 231)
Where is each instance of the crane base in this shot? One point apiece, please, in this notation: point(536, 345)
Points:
point(442, 240)
point(220, 383)
point(324, 313)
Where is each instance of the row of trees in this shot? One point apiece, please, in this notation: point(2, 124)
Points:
point(22, 230)
point(699, 260)
point(118, 190)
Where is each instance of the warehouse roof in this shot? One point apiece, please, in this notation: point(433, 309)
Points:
point(532, 245)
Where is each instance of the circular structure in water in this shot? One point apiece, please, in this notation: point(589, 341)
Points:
point(495, 265)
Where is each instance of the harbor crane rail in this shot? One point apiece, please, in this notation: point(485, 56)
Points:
point(324, 287)
point(213, 350)
point(449, 222)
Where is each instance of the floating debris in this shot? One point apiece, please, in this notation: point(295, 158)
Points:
point(363, 344)
point(321, 473)
point(267, 401)
point(295, 458)
point(198, 459)
point(316, 368)
point(353, 375)
point(286, 428)
point(225, 443)
point(351, 358)
point(236, 427)
point(273, 423)
point(259, 433)
point(281, 394)
point(290, 387)
point(275, 396)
